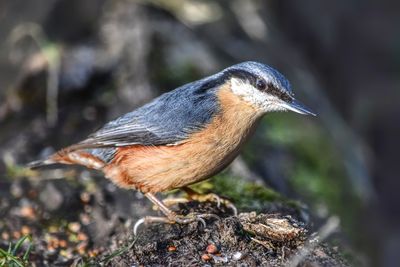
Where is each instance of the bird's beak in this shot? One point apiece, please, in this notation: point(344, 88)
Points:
point(297, 107)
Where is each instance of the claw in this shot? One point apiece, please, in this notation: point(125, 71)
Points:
point(193, 195)
point(216, 199)
point(137, 224)
point(202, 221)
point(149, 219)
point(170, 216)
point(195, 217)
point(232, 207)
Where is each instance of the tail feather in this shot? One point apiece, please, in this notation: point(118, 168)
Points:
point(66, 156)
point(40, 163)
point(55, 158)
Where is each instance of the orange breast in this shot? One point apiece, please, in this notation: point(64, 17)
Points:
point(203, 154)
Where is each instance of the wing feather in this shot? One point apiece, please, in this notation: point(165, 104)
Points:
point(167, 120)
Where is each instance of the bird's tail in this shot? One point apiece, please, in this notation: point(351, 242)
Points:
point(69, 156)
point(40, 163)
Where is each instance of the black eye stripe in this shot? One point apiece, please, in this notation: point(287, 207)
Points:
point(269, 87)
point(278, 93)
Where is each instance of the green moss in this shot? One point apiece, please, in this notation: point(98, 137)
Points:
point(244, 194)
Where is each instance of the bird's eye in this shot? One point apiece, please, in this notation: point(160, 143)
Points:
point(261, 84)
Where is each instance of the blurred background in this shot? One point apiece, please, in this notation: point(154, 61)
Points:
point(68, 66)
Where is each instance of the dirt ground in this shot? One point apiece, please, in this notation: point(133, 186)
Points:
point(89, 222)
point(245, 240)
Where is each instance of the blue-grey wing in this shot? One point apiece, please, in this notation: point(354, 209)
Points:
point(167, 120)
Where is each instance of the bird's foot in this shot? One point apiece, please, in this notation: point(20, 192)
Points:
point(169, 202)
point(174, 218)
point(170, 216)
point(193, 195)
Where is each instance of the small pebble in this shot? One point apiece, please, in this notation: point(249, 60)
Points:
point(81, 248)
point(171, 249)
point(28, 212)
point(82, 236)
point(212, 249)
point(237, 256)
point(51, 248)
point(205, 257)
point(54, 242)
point(63, 243)
point(93, 252)
point(218, 259)
point(52, 229)
point(66, 253)
point(85, 219)
point(5, 235)
point(16, 235)
point(25, 230)
point(85, 197)
point(74, 227)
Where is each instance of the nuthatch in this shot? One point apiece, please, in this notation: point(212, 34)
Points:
point(183, 136)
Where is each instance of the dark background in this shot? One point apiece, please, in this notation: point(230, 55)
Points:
point(66, 67)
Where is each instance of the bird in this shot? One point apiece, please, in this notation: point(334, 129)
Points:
point(183, 136)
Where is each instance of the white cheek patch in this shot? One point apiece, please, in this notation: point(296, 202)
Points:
point(255, 97)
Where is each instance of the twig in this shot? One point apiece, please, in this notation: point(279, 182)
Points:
point(326, 230)
point(52, 56)
point(52, 91)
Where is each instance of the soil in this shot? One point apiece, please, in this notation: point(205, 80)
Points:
point(89, 222)
point(246, 240)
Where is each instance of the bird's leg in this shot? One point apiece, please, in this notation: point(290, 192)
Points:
point(164, 209)
point(171, 217)
point(193, 195)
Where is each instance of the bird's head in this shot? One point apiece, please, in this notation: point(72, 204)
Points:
point(263, 87)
